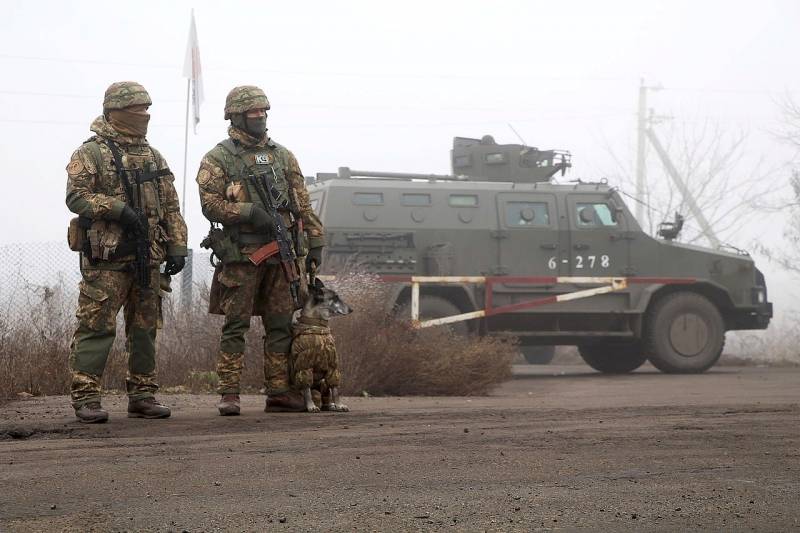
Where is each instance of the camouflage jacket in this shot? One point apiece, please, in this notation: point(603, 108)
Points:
point(99, 194)
point(226, 196)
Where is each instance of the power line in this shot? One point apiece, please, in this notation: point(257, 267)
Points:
point(66, 95)
point(376, 75)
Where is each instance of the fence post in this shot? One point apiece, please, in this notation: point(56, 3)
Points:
point(186, 281)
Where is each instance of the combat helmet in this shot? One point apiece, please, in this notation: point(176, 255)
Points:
point(124, 94)
point(245, 98)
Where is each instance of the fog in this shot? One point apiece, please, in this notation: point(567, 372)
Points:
point(385, 86)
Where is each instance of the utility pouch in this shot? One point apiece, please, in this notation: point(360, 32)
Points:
point(222, 246)
point(76, 233)
point(104, 237)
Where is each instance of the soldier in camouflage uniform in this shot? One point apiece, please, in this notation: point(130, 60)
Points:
point(105, 234)
point(240, 288)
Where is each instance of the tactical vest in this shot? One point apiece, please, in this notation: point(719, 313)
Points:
point(263, 162)
point(126, 172)
point(142, 163)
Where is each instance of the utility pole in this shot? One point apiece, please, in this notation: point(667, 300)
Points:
point(645, 121)
point(641, 151)
point(684, 190)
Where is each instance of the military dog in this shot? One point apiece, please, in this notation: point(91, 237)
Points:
point(313, 360)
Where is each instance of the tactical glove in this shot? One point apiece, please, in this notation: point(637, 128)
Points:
point(128, 217)
point(261, 220)
point(314, 256)
point(175, 264)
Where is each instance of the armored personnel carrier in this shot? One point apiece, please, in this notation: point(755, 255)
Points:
point(498, 248)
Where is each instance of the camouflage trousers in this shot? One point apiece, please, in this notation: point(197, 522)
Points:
point(102, 294)
point(247, 287)
point(313, 357)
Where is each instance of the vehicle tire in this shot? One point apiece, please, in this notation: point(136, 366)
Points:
point(434, 307)
point(613, 358)
point(538, 355)
point(685, 333)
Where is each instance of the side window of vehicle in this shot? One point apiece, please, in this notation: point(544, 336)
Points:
point(416, 199)
point(463, 200)
point(594, 215)
point(527, 214)
point(368, 198)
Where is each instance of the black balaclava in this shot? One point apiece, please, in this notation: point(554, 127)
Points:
point(257, 127)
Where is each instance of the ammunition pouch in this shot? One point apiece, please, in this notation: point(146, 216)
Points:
point(104, 239)
point(223, 246)
point(76, 233)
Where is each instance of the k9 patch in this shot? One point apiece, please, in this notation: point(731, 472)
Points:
point(263, 159)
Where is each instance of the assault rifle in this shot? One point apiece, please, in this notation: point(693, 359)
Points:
point(141, 231)
point(141, 264)
point(282, 244)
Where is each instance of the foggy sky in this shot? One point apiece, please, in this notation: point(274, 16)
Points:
point(385, 86)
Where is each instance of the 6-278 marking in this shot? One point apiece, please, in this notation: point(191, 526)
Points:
point(583, 262)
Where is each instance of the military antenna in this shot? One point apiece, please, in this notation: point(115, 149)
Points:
point(518, 135)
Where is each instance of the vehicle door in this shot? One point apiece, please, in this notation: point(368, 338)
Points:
point(528, 234)
point(528, 245)
point(598, 243)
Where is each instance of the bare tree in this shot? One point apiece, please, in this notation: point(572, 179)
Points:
point(787, 255)
point(729, 188)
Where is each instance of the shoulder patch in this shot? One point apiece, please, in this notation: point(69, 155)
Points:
point(75, 167)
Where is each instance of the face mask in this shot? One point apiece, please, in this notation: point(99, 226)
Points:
point(256, 126)
point(128, 122)
point(253, 126)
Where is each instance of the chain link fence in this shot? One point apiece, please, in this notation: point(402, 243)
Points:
point(34, 272)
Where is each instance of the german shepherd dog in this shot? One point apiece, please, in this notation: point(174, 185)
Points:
point(314, 362)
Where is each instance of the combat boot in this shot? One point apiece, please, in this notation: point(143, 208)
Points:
point(147, 408)
point(288, 402)
point(229, 405)
point(91, 413)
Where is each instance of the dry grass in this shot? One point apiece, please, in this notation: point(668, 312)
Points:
point(384, 356)
point(380, 355)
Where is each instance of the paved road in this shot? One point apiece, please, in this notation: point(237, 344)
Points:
point(555, 448)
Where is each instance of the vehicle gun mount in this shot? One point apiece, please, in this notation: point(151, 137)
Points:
point(485, 160)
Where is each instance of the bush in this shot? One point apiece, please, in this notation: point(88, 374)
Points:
point(380, 354)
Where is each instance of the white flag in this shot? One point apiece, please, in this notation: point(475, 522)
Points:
point(191, 70)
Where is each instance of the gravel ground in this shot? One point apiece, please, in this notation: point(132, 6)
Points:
point(557, 448)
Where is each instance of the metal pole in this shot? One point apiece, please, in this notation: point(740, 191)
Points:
point(187, 280)
point(641, 152)
point(186, 274)
point(185, 146)
point(685, 192)
point(415, 301)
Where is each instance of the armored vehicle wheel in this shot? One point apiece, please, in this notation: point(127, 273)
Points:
point(685, 334)
point(538, 355)
point(434, 307)
point(613, 358)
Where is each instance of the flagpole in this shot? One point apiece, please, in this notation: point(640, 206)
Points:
point(186, 146)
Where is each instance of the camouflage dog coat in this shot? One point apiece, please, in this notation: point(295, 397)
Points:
point(313, 356)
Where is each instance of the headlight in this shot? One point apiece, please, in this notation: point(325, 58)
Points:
point(759, 295)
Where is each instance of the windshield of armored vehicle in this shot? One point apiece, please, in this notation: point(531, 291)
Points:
point(590, 215)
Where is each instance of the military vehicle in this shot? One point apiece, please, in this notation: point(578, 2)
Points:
point(499, 243)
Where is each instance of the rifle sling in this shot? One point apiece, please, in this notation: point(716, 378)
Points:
point(122, 172)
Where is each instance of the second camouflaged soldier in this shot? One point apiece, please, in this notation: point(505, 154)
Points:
point(228, 178)
point(129, 223)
